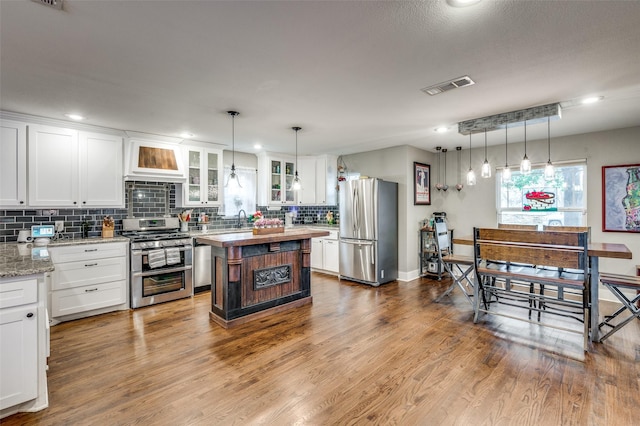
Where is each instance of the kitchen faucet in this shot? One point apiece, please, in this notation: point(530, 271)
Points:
point(239, 224)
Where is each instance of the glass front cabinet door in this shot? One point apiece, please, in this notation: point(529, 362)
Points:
point(203, 186)
point(281, 180)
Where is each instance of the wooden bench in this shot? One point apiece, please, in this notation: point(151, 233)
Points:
point(510, 263)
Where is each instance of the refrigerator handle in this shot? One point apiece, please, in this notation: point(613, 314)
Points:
point(373, 254)
point(354, 210)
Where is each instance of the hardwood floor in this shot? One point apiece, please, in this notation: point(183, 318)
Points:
point(357, 355)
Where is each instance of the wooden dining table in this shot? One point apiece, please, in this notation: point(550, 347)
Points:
point(595, 251)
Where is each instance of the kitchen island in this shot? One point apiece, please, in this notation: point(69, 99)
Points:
point(258, 275)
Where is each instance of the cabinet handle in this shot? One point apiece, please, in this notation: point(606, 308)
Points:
point(75, 202)
point(21, 202)
point(84, 202)
point(89, 290)
point(88, 250)
point(90, 264)
point(30, 315)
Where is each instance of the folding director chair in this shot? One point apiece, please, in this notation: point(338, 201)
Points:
point(460, 268)
point(615, 283)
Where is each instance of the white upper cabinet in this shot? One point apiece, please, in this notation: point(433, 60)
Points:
point(54, 172)
point(319, 180)
point(70, 168)
point(204, 175)
point(275, 179)
point(101, 170)
point(13, 164)
point(307, 171)
point(317, 174)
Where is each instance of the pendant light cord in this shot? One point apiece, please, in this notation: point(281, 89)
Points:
point(485, 144)
point(525, 138)
point(506, 144)
point(549, 137)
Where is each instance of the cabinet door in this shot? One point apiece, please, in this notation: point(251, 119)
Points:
point(212, 176)
point(277, 182)
point(193, 191)
point(101, 170)
point(289, 193)
point(321, 180)
point(53, 167)
point(19, 360)
point(317, 253)
point(307, 173)
point(331, 255)
point(13, 163)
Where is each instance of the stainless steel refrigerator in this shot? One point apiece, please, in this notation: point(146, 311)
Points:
point(369, 231)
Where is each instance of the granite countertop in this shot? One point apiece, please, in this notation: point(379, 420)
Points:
point(23, 259)
point(18, 259)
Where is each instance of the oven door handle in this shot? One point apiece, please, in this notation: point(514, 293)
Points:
point(143, 252)
point(161, 271)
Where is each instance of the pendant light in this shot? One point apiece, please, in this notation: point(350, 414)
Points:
point(297, 185)
point(233, 183)
point(439, 185)
point(471, 175)
point(445, 186)
point(549, 171)
point(459, 186)
point(506, 174)
point(525, 164)
point(486, 167)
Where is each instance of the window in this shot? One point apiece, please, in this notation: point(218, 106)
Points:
point(243, 200)
point(530, 199)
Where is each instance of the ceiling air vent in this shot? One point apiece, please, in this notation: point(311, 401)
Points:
point(56, 4)
point(448, 85)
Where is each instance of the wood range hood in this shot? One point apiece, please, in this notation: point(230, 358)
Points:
point(154, 161)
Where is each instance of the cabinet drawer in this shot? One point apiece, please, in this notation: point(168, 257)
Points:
point(88, 272)
point(16, 293)
point(87, 252)
point(87, 298)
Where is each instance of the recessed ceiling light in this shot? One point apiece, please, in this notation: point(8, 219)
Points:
point(441, 129)
point(257, 146)
point(186, 135)
point(76, 117)
point(592, 100)
point(462, 3)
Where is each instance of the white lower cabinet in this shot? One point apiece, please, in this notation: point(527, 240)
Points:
point(331, 256)
point(325, 256)
point(23, 344)
point(89, 279)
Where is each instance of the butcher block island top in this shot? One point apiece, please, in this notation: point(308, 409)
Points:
point(258, 275)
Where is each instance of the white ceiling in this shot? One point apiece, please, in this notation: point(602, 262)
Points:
point(348, 72)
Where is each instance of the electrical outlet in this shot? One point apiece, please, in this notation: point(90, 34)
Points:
point(59, 226)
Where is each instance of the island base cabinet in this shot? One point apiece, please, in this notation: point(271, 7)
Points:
point(258, 280)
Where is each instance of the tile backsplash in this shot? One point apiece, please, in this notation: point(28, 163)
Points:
point(147, 202)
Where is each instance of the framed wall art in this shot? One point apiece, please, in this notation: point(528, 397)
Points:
point(421, 184)
point(621, 198)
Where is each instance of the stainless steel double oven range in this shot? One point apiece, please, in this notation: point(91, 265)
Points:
point(161, 260)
